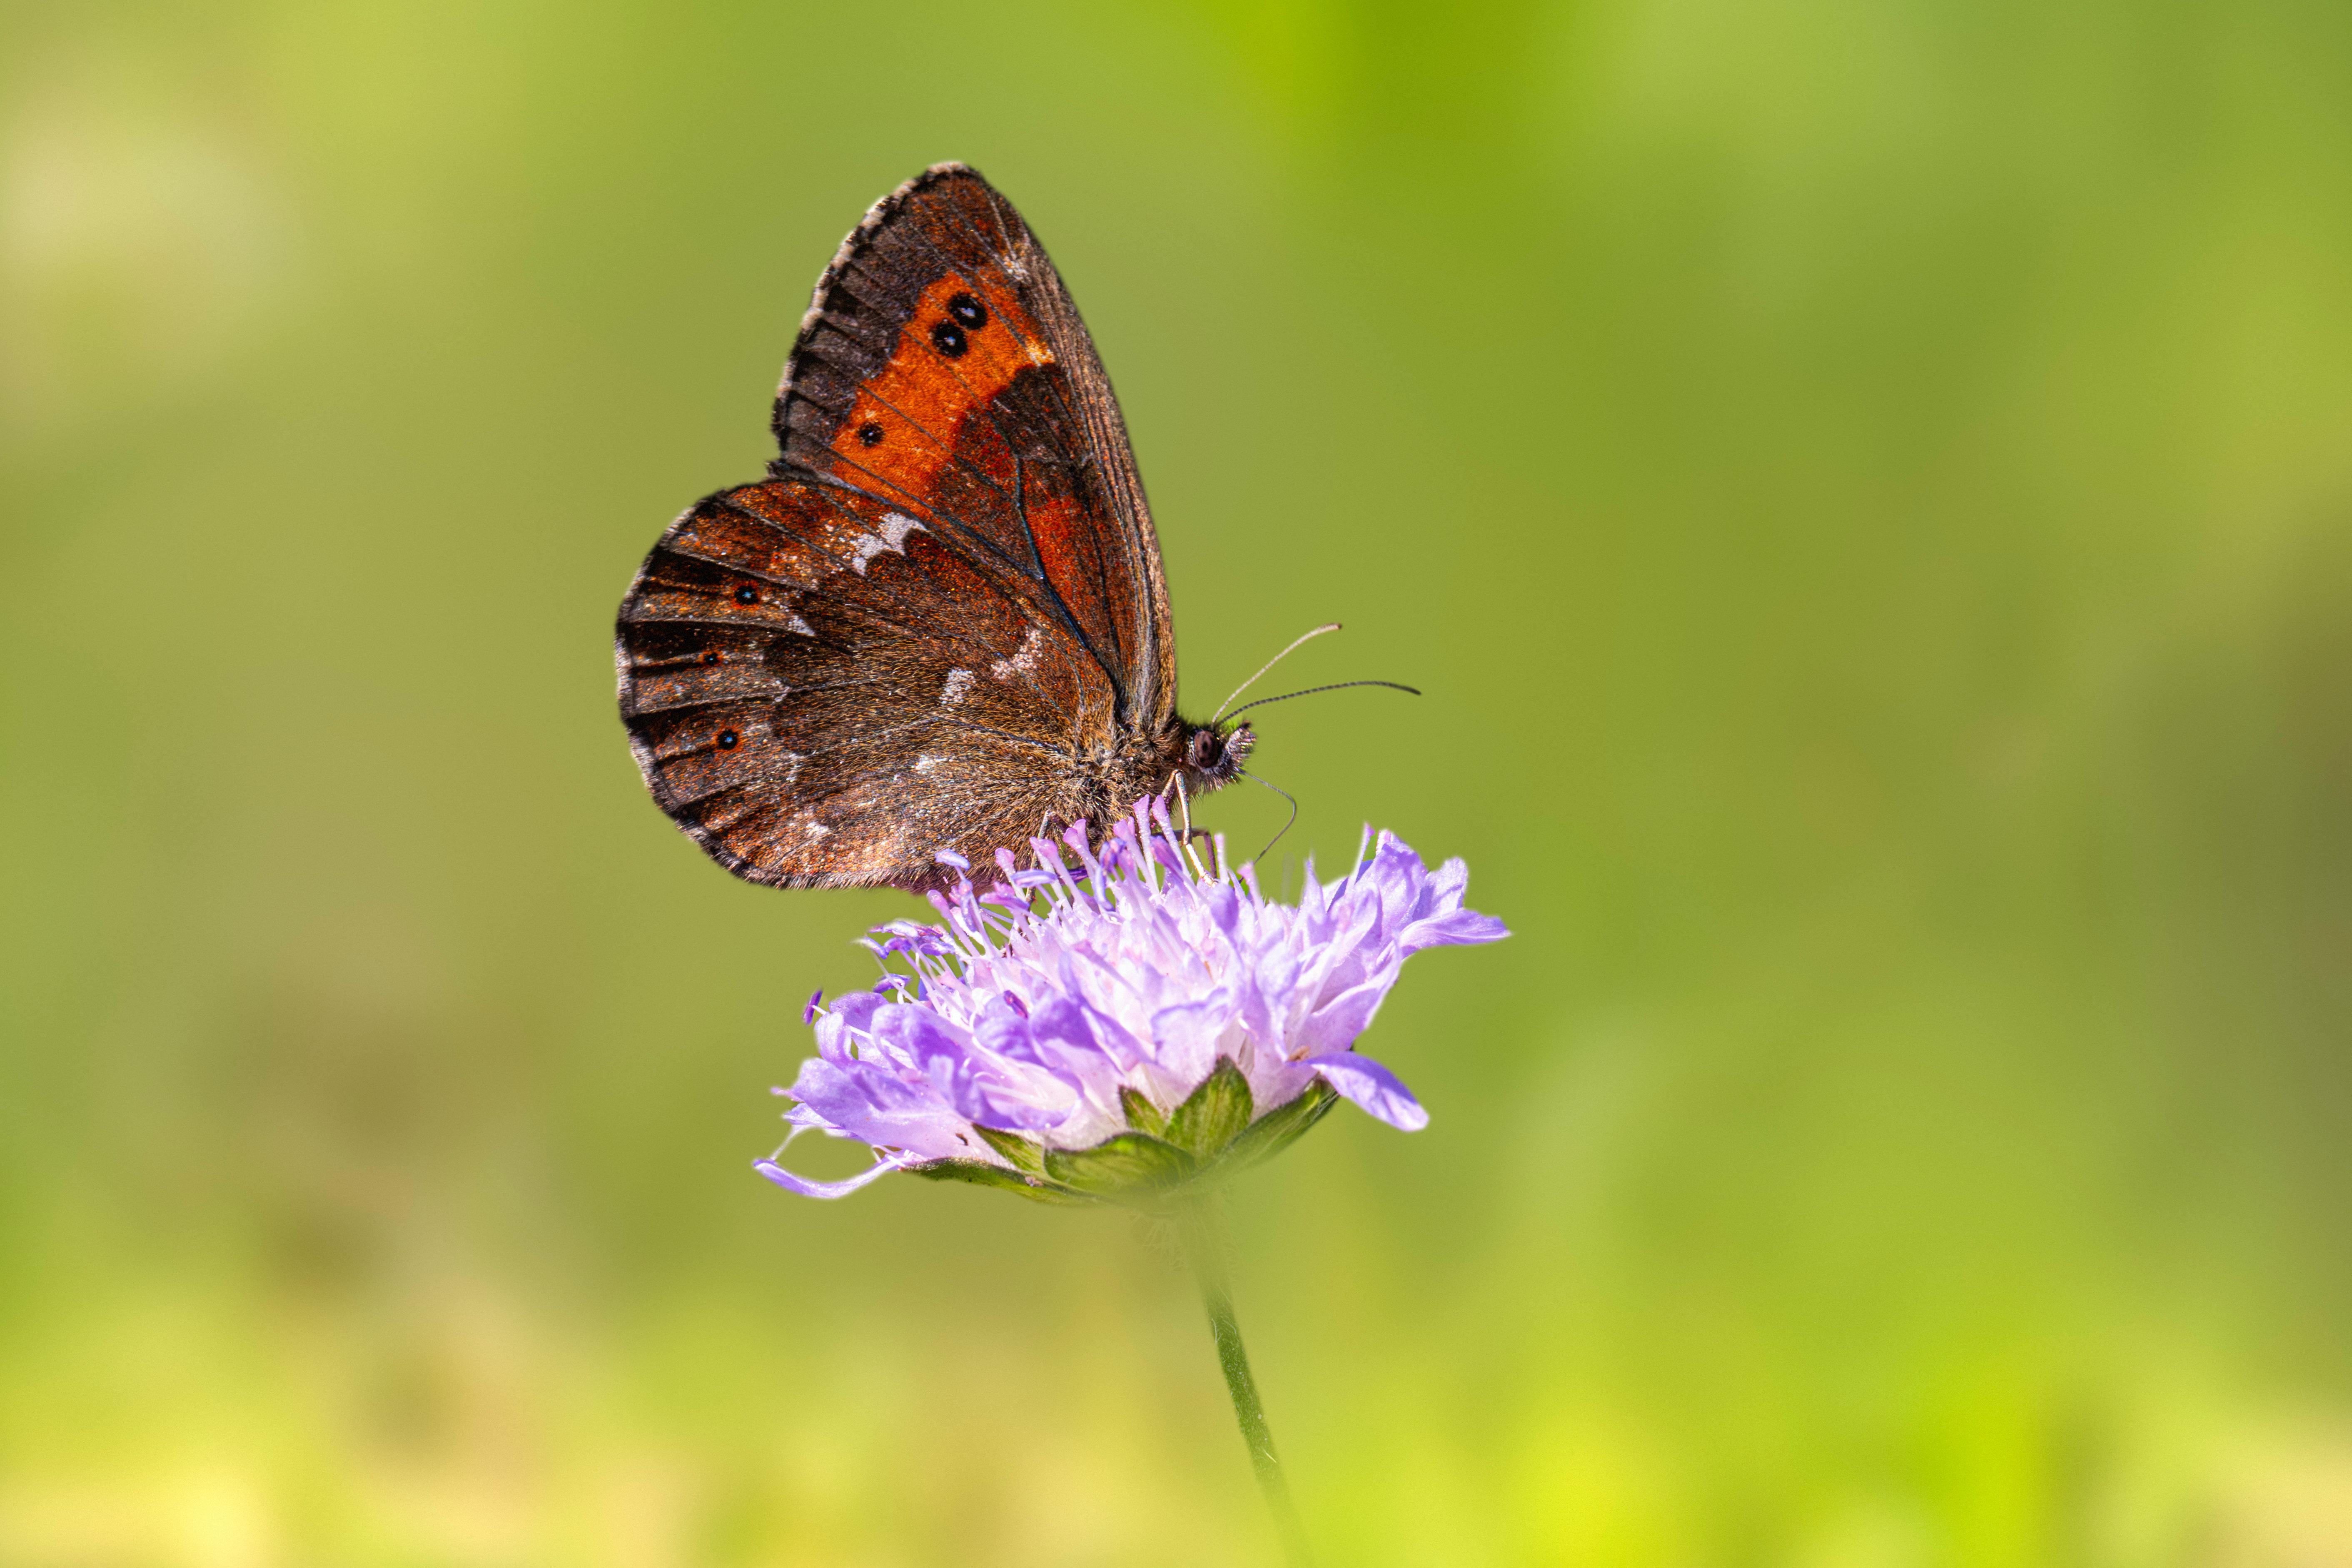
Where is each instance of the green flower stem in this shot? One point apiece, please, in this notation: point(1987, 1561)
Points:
point(1205, 1245)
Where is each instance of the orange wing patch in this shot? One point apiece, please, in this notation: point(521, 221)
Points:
point(958, 353)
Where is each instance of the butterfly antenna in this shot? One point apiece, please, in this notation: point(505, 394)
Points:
point(1277, 658)
point(1340, 686)
point(1286, 826)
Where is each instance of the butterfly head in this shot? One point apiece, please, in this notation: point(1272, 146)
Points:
point(1213, 755)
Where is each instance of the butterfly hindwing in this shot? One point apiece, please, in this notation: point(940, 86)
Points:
point(822, 692)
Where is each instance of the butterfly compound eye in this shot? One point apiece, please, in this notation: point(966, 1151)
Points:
point(949, 340)
point(969, 312)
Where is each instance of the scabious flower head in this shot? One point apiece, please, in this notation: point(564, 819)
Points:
point(1123, 1026)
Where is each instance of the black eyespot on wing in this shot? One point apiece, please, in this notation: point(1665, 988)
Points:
point(747, 595)
point(870, 435)
point(948, 339)
point(968, 311)
point(711, 656)
point(728, 739)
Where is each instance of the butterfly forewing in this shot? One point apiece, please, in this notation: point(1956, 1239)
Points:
point(943, 368)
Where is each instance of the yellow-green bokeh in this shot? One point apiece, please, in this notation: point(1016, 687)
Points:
point(1867, 489)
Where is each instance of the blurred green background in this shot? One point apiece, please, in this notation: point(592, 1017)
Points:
point(1866, 488)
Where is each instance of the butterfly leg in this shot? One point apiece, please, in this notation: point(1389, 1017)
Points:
point(1187, 834)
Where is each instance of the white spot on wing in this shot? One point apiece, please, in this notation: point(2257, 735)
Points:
point(958, 681)
point(925, 765)
point(1023, 659)
point(866, 546)
point(801, 626)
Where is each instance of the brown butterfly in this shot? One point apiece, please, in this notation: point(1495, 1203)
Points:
point(940, 623)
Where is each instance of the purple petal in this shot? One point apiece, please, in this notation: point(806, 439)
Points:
point(1063, 1020)
point(975, 1083)
point(1094, 871)
point(815, 1001)
point(1167, 855)
point(1312, 899)
point(1462, 928)
point(864, 1100)
point(1375, 1089)
point(1335, 962)
point(1186, 1037)
point(922, 1039)
point(1273, 1083)
point(1266, 994)
point(836, 1040)
point(856, 1010)
point(1086, 1031)
point(814, 1189)
point(1397, 878)
point(1003, 1029)
point(1223, 901)
point(1333, 1028)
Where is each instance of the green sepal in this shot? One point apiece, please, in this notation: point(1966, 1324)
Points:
point(1278, 1128)
point(1125, 1164)
point(981, 1174)
point(1025, 1153)
point(1213, 1114)
point(1141, 1114)
point(1142, 1171)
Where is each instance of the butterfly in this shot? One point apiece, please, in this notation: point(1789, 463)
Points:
point(940, 622)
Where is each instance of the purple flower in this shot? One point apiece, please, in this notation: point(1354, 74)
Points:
point(1122, 1027)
